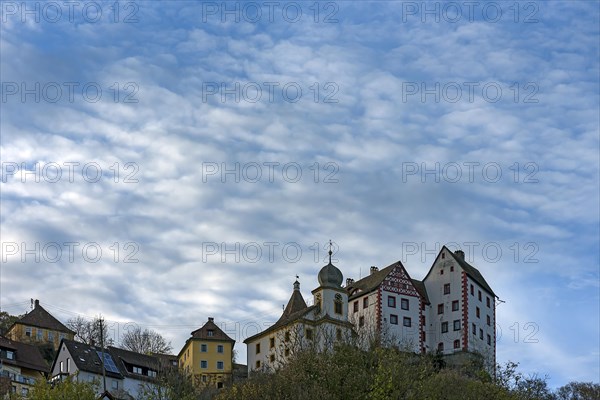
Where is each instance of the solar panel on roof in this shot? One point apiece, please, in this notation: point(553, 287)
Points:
point(109, 364)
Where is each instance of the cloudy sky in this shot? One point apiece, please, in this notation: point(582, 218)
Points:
point(163, 162)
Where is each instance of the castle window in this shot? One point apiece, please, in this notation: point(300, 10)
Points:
point(441, 272)
point(287, 336)
point(443, 255)
point(337, 304)
point(365, 302)
point(272, 358)
point(392, 301)
point(356, 306)
point(481, 334)
point(287, 352)
point(271, 343)
point(404, 304)
point(393, 319)
point(474, 329)
point(440, 346)
point(440, 308)
point(472, 290)
point(203, 348)
point(406, 322)
point(452, 268)
point(456, 324)
point(257, 364)
point(488, 320)
point(489, 340)
point(309, 334)
point(479, 295)
point(447, 288)
point(455, 305)
point(219, 348)
point(457, 344)
point(487, 301)
point(257, 348)
point(444, 327)
point(477, 312)
point(361, 321)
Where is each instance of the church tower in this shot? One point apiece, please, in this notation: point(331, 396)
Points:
point(330, 299)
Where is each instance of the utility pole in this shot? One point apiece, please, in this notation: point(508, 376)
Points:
point(101, 322)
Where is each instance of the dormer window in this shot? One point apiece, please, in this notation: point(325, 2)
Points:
point(10, 355)
point(210, 332)
point(137, 370)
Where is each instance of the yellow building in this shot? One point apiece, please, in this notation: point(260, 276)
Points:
point(21, 365)
point(39, 326)
point(208, 356)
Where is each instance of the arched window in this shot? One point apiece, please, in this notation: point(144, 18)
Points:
point(337, 303)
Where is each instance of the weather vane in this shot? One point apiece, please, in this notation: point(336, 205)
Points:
point(330, 252)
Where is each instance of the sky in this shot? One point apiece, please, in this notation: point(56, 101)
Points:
point(168, 161)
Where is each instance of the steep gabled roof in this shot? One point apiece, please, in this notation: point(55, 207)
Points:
point(204, 332)
point(26, 355)
point(472, 272)
point(295, 304)
point(41, 318)
point(368, 283)
point(420, 286)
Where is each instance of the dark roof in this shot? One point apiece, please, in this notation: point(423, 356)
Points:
point(86, 358)
point(368, 283)
point(41, 318)
point(295, 304)
point(217, 333)
point(26, 355)
point(472, 272)
point(124, 358)
point(295, 316)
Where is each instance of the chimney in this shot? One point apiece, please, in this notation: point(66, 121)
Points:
point(349, 281)
point(211, 319)
point(373, 270)
point(460, 254)
point(37, 303)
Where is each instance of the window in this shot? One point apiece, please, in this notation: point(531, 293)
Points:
point(479, 295)
point(115, 384)
point(28, 331)
point(487, 301)
point(488, 320)
point(455, 305)
point(10, 355)
point(62, 366)
point(456, 324)
point(204, 378)
point(447, 288)
point(257, 348)
point(361, 321)
point(457, 344)
point(356, 306)
point(219, 385)
point(151, 374)
point(137, 370)
point(50, 335)
point(393, 319)
point(40, 334)
point(68, 365)
point(477, 312)
point(404, 304)
point(441, 272)
point(203, 364)
point(24, 391)
point(392, 301)
point(309, 334)
point(481, 334)
point(452, 268)
point(220, 348)
point(444, 327)
point(287, 352)
point(440, 308)
point(365, 302)
point(472, 290)
point(257, 364)
point(271, 343)
point(210, 332)
point(203, 348)
point(489, 340)
point(440, 346)
point(338, 334)
point(337, 307)
point(474, 329)
point(220, 365)
point(287, 336)
point(61, 336)
point(406, 322)
point(272, 358)
point(443, 255)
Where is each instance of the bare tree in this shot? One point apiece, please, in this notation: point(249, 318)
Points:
point(145, 341)
point(88, 331)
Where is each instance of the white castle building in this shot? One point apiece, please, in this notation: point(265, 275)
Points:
point(451, 311)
